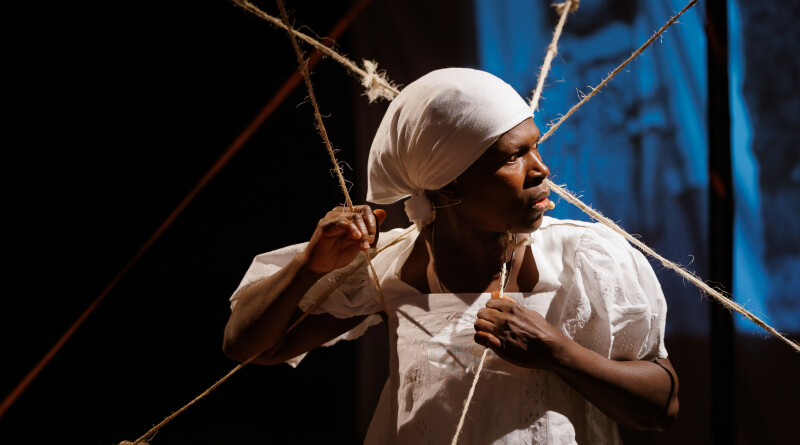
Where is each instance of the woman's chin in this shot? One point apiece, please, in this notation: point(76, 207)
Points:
point(531, 224)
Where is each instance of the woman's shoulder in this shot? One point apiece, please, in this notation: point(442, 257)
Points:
point(563, 227)
point(569, 236)
point(571, 230)
point(561, 234)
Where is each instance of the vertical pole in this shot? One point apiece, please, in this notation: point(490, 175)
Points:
point(721, 223)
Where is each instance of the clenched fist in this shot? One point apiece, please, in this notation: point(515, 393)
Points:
point(340, 236)
point(518, 334)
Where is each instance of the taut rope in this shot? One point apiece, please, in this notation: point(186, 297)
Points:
point(611, 75)
point(722, 299)
point(322, 132)
point(376, 82)
point(564, 9)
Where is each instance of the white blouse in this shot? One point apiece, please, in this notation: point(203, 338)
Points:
point(593, 286)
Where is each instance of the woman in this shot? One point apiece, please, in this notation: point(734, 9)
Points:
point(577, 339)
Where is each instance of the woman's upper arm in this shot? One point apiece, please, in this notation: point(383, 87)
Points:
point(312, 332)
point(621, 287)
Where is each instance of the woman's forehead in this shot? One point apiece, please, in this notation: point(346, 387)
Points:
point(525, 133)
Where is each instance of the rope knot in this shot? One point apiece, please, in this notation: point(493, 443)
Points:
point(378, 87)
point(573, 6)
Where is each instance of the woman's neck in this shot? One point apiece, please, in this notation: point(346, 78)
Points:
point(464, 256)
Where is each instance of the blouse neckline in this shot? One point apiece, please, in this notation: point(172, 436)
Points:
point(409, 246)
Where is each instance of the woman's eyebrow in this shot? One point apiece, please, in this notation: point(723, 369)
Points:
point(525, 141)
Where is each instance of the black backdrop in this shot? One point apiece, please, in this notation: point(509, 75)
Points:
point(116, 111)
point(119, 109)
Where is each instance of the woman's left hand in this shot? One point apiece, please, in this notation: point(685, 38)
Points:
point(636, 393)
point(518, 334)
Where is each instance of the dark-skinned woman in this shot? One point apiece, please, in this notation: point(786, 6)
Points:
point(577, 339)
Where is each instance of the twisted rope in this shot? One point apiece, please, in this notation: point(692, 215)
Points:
point(611, 75)
point(564, 9)
point(376, 82)
point(708, 290)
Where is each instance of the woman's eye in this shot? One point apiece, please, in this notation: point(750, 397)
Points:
point(513, 158)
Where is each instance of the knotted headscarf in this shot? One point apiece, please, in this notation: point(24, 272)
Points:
point(434, 130)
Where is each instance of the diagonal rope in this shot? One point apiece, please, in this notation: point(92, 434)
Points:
point(608, 78)
point(564, 9)
point(722, 299)
point(322, 132)
point(471, 393)
point(288, 86)
point(317, 115)
point(378, 86)
point(150, 433)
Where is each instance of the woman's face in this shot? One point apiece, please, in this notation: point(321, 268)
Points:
point(504, 189)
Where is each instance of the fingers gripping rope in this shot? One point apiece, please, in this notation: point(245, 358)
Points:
point(321, 126)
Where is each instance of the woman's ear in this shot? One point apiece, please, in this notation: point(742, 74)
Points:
point(447, 194)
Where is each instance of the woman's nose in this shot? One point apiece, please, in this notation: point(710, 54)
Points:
point(536, 167)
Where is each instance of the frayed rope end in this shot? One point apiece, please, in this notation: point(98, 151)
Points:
point(572, 7)
point(376, 83)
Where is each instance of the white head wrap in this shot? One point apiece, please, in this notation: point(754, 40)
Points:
point(434, 130)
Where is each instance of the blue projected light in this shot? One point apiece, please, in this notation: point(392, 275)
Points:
point(750, 284)
point(638, 150)
point(765, 278)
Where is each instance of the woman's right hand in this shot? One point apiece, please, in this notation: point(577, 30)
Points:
point(340, 236)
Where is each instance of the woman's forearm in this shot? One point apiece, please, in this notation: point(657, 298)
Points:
point(260, 320)
point(264, 310)
point(639, 394)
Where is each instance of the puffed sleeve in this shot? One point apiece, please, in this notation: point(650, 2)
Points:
point(344, 293)
point(615, 305)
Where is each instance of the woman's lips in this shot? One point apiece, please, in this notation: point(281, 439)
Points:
point(544, 204)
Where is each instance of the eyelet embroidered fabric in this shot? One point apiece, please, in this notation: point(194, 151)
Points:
point(592, 285)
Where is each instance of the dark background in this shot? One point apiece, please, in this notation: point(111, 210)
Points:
point(114, 112)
